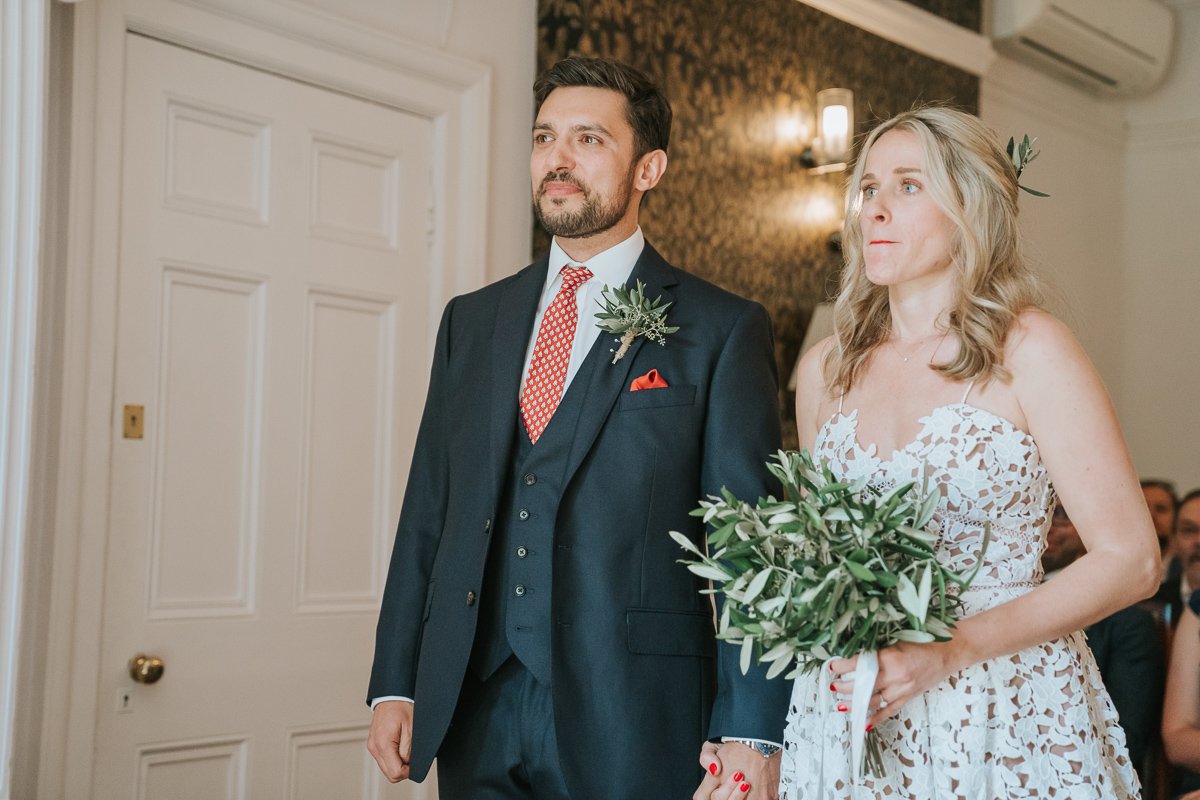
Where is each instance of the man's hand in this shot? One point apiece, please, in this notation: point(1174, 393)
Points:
point(736, 772)
point(390, 739)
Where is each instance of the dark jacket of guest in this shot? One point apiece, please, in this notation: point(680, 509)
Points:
point(1129, 652)
point(1168, 600)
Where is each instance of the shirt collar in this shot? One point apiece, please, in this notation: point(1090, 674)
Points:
point(611, 267)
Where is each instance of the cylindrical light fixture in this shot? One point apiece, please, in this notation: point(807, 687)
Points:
point(835, 120)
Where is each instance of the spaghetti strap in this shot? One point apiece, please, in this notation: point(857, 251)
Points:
point(841, 399)
point(970, 386)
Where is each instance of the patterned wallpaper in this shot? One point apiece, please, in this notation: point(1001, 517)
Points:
point(735, 206)
point(967, 13)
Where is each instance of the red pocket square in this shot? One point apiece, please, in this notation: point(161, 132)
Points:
point(651, 380)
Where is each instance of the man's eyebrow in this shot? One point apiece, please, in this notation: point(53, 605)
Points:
point(580, 128)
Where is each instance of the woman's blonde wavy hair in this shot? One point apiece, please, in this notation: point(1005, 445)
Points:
point(972, 180)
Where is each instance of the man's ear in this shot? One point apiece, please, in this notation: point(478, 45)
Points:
point(649, 171)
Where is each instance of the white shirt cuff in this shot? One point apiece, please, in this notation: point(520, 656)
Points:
point(376, 701)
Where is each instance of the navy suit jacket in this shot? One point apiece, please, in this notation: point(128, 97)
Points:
point(638, 679)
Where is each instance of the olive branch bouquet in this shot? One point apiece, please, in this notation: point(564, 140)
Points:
point(834, 569)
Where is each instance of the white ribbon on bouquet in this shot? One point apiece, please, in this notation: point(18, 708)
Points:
point(864, 686)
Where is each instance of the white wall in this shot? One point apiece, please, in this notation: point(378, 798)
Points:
point(500, 33)
point(1116, 238)
point(1160, 381)
point(23, 92)
point(1073, 237)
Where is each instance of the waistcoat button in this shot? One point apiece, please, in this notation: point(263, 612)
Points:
point(522, 552)
point(524, 514)
point(470, 598)
point(530, 479)
point(519, 591)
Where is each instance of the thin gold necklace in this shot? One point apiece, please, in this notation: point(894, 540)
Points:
point(905, 358)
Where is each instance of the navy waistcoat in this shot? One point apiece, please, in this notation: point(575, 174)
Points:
point(516, 616)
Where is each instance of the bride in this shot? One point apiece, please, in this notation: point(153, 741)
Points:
point(943, 365)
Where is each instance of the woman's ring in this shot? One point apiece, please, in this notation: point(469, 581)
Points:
point(883, 703)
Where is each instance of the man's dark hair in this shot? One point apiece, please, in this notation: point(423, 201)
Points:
point(646, 106)
point(1166, 486)
point(1194, 494)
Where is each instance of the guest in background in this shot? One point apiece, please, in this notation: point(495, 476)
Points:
point(1185, 544)
point(1161, 500)
point(1127, 647)
point(1181, 709)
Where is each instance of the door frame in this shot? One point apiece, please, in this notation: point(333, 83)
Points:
point(282, 38)
point(24, 96)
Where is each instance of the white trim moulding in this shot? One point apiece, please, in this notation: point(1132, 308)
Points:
point(914, 28)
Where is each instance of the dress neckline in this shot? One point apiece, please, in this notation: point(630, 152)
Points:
point(871, 451)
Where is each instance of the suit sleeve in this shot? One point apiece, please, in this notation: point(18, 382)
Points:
point(422, 518)
point(741, 433)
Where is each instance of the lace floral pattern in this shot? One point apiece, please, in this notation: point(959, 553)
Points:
point(1038, 723)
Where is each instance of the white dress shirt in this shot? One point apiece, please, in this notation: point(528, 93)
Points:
point(610, 268)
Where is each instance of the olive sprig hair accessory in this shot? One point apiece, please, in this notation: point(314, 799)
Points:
point(1022, 155)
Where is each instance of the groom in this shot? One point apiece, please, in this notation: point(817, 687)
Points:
point(537, 635)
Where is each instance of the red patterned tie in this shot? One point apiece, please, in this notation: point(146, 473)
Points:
point(552, 355)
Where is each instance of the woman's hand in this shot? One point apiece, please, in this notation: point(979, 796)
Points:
point(906, 670)
point(758, 779)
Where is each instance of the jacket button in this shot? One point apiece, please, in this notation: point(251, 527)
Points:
point(487, 525)
point(470, 598)
point(530, 479)
point(522, 552)
point(519, 591)
point(524, 514)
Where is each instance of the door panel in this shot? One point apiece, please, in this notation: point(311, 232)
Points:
point(273, 321)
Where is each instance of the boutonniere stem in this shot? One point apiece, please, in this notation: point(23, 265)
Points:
point(630, 313)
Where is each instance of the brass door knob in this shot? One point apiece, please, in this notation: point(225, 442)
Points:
point(145, 669)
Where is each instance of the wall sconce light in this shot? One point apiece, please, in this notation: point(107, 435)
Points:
point(830, 151)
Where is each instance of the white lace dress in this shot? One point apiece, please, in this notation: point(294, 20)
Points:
point(1037, 724)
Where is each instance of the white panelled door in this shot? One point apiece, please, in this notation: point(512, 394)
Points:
point(272, 356)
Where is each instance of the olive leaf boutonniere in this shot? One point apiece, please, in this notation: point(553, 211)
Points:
point(630, 313)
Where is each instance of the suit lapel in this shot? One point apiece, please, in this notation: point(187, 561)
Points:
point(510, 338)
point(608, 379)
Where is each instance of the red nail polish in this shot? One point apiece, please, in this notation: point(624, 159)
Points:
point(737, 776)
point(832, 688)
point(870, 726)
point(745, 787)
point(842, 707)
point(712, 768)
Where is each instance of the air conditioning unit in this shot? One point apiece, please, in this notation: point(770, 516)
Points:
point(1110, 47)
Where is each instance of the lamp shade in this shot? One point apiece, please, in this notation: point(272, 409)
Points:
point(835, 121)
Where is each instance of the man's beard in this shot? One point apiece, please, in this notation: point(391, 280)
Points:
point(592, 218)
